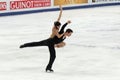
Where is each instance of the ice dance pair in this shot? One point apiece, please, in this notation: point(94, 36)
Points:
point(56, 40)
point(51, 42)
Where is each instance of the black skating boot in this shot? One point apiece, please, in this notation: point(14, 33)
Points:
point(22, 46)
point(49, 70)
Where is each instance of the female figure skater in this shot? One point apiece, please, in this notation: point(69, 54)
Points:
point(56, 27)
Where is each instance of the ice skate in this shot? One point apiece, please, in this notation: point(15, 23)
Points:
point(49, 70)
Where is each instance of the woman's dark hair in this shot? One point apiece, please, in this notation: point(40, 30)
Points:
point(69, 30)
point(57, 23)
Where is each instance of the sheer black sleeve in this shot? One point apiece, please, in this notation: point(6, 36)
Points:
point(62, 29)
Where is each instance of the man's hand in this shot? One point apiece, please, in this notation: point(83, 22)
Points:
point(68, 21)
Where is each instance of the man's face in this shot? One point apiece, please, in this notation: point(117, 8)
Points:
point(69, 34)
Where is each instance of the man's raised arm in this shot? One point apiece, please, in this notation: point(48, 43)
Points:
point(63, 27)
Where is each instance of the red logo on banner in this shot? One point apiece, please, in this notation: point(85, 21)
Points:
point(22, 4)
point(3, 6)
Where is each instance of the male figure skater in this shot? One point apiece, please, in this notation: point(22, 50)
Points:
point(50, 42)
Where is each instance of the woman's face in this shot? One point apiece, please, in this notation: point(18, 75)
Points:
point(58, 27)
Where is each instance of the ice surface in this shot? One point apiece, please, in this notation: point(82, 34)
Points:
point(91, 53)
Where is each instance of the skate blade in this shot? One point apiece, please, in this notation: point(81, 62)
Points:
point(48, 71)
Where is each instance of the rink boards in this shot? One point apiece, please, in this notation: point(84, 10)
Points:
point(18, 7)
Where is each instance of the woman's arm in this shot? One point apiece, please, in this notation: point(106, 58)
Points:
point(60, 14)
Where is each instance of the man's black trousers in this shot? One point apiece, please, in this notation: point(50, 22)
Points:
point(51, 48)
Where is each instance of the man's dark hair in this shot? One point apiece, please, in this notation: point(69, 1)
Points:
point(57, 23)
point(69, 30)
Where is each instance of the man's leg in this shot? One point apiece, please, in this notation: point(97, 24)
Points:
point(52, 58)
point(33, 44)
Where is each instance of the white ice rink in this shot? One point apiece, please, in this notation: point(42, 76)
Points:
point(91, 53)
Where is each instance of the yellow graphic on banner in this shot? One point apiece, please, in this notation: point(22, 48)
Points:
point(65, 2)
